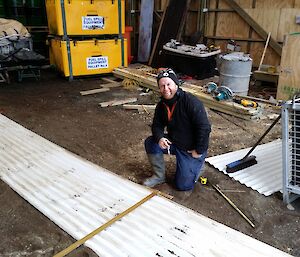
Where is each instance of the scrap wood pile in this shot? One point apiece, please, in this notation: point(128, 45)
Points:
point(146, 79)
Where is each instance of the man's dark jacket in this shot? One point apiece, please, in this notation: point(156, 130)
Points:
point(188, 128)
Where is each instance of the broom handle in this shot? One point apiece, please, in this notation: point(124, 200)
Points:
point(264, 52)
point(261, 138)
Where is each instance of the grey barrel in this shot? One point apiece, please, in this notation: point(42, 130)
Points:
point(235, 71)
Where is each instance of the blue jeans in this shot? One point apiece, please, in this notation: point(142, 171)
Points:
point(188, 168)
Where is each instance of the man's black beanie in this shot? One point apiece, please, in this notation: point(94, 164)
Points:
point(168, 73)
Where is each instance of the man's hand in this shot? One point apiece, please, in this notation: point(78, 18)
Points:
point(164, 143)
point(195, 154)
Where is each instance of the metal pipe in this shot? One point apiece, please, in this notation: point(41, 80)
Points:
point(65, 37)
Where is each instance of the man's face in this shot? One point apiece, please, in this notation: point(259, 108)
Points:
point(167, 88)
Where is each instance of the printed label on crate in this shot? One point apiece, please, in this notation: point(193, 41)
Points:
point(92, 22)
point(100, 62)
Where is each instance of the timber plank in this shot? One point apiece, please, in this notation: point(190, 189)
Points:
point(228, 107)
point(111, 85)
point(94, 91)
point(118, 102)
point(140, 107)
point(109, 80)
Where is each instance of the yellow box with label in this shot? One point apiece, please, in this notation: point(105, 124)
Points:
point(88, 57)
point(86, 17)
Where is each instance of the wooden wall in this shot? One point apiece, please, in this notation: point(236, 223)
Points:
point(220, 23)
point(275, 16)
point(289, 77)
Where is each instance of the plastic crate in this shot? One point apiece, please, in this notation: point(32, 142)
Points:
point(86, 17)
point(88, 57)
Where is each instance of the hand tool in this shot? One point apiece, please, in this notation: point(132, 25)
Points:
point(219, 93)
point(264, 52)
point(246, 103)
point(248, 161)
point(203, 180)
point(223, 93)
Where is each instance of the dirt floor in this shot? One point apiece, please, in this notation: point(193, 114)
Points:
point(113, 138)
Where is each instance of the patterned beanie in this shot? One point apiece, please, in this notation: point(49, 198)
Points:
point(168, 73)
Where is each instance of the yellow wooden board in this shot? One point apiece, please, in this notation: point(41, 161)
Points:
point(289, 76)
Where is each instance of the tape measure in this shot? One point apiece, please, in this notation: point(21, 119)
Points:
point(203, 180)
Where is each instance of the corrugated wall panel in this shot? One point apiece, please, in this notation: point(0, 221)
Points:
point(265, 176)
point(80, 196)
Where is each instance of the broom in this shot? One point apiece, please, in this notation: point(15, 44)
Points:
point(248, 160)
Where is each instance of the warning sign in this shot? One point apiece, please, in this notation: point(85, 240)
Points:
point(100, 62)
point(92, 22)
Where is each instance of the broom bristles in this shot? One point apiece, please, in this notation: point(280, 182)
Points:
point(241, 164)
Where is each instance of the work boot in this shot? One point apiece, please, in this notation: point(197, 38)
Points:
point(158, 165)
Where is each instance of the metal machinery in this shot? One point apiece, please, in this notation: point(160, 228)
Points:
point(291, 150)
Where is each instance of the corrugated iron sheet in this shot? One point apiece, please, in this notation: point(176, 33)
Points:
point(265, 176)
point(80, 196)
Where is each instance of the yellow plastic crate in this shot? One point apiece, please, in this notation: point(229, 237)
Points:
point(85, 17)
point(88, 57)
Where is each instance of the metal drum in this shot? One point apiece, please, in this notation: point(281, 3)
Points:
point(235, 71)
